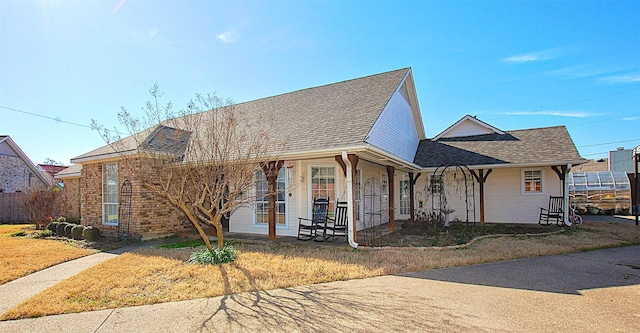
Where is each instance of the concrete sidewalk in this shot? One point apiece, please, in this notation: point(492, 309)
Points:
point(594, 291)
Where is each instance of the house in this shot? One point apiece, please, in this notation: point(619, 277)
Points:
point(17, 172)
point(359, 140)
point(18, 176)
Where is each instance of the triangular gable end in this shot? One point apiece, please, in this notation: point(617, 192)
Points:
point(467, 126)
point(10, 148)
point(398, 129)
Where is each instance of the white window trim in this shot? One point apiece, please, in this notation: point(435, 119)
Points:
point(102, 179)
point(522, 181)
point(254, 208)
point(337, 172)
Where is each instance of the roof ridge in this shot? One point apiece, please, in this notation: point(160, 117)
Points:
point(322, 86)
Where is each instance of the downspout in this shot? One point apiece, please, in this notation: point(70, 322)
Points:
point(565, 191)
point(350, 210)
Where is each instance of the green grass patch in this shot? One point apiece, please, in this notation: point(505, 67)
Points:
point(188, 244)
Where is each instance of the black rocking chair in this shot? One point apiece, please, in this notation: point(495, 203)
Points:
point(554, 212)
point(338, 225)
point(307, 228)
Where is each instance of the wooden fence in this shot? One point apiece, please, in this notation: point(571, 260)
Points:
point(12, 208)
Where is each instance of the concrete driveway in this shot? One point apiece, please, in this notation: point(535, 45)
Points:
point(596, 291)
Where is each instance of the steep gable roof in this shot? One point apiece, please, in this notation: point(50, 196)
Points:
point(329, 116)
point(541, 146)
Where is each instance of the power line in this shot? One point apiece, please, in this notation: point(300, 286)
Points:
point(607, 143)
point(571, 103)
point(576, 102)
point(46, 117)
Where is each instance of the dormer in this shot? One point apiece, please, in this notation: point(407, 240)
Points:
point(467, 126)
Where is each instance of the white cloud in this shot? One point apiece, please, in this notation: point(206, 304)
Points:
point(557, 113)
point(622, 78)
point(520, 59)
point(228, 37)
point(536, 56)
point(631, 118)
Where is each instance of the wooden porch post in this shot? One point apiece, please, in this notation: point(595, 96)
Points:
point(353, 159)
point(481, 178)
point(271, 170)
point(412, 203)
point(390, 172)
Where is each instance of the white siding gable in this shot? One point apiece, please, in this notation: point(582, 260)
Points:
point(467, 128)
point(395, 130)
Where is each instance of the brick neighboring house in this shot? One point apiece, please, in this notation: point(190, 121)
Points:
point(362, 138)
point(17, 172)
point(18, 176)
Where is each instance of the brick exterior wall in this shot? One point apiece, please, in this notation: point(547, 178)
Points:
point(71, 197)
point(151, 215)
point(14, 176)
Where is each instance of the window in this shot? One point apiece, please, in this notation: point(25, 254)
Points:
point(404, 196)
point(110, 194)
point(532, 181)
point(262, 198)
point(323, 185)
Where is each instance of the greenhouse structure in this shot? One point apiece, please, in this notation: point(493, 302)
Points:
point(602, 192)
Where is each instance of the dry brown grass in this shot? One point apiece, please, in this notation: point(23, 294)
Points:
point(161, 275)
point(22, 256)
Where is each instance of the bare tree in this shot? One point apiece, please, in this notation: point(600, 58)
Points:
point(202, 159)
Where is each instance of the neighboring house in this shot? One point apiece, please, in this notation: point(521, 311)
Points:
point(18, 176)
point(601, 164)
point(17, 172)
point(72, 196)
point(367, 132)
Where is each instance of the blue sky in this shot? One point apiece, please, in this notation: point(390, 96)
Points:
point(512, 64)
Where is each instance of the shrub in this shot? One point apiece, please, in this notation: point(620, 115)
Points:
point(91, 233)
point(60, 228)
point(67, 230)
point(43, 233)
point(77, 231)
point(61, 219)
point(215, 257)
point(20, 233)
point(40, 206)
point(52, 226)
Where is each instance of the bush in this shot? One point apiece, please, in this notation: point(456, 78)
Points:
point(62, 219)
point(91, 233)
point(52, 226)
point(77, 231)
point(43, 233)
point(215, 257)
point(60, 228)
point(67, 230)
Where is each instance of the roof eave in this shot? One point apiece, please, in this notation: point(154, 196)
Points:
point(102, 157)
point(516, 165)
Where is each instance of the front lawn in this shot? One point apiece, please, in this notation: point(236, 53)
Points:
point(161, 275)
point(20, 256)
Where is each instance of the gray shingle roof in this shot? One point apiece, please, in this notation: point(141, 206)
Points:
point(538, 145)
point(334, 115)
